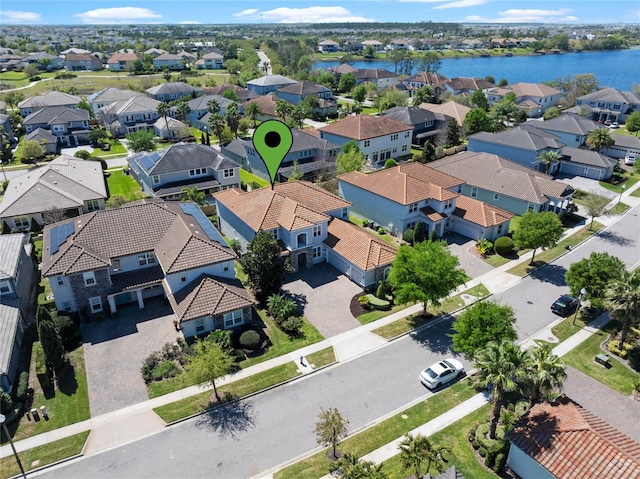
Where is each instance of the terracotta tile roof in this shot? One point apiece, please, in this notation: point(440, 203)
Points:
point(406, 184)
point(571, 442)
point(480, 213)
point(138, 278)
point(362, 127)
point(526, 89)
point(208, 296)
point(432, 214)
point(123, 57)
point(450, 108)
point(267, 103)
point(357, 246)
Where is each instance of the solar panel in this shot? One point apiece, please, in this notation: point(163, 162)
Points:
point(207, 227)
point(58, 235)
point(147, 161)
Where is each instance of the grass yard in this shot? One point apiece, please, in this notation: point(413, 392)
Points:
point(125, 185)
point(117, 149)
point(627, 183)
point(635, 193)
point(43, 455)
point(618, 209)
point(248, 178)
point(374, 315)
point(580, 196)
point(321, 358)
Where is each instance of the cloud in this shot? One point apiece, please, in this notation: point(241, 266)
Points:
point(305, 15)
point(189, 22)
point(530, 15)
point(118, 15)
point(244, 13)
point(12, 16)
point(450, 3)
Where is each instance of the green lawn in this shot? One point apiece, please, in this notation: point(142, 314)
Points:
point(636, 193)
point(321, 358)
point(116, 149)
point(580, 196)
point(248, 178)
point(43, 455)
point(374, 315)
point(629, 181)
point(125, 185)
point(618, 209)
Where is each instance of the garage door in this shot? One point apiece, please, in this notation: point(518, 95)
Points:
point(467, 229)
point(337, 262)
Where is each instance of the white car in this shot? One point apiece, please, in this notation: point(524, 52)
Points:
point(614, 125)
point(441, 373)
point(629, 160)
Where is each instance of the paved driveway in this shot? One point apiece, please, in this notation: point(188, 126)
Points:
point(324, 295)
point(115, 348)
point(585, 184)
point(459, 246)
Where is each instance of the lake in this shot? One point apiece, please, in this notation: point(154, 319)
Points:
point(616, 69)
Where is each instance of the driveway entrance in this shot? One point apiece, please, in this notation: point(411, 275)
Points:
point(459, 246)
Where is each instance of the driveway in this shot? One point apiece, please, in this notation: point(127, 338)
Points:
point(73, 150)
point(324, 295)
point(459, 246)
point(114, 349)
point(585, 184)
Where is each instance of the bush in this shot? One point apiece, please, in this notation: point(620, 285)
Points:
point(379, 304)
point(166, 369)
point(634, 358)
point(67, 329)
point(475, 444)
point(409, 235)
point(222, 337)
point(613, 348)
point(292, 325)
point(503, 246)
point(23, 386)
point(482, 451)
point(149, 364)
point(42, 372)
point(381, 291)
point(84, 154)
point(6, 402)
point(239, 354)
point(365, 223)
point(483, 246)
point(364, 302)
point(499, 463)
point(381, 231)
point(250, 340)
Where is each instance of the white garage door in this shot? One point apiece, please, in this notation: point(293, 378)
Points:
point(467, 229)
point(337, 262)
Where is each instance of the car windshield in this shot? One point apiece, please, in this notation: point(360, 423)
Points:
point(429, 372)
point(562, 302)
point(449, 365)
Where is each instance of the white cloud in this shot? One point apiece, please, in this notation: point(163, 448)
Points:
point(118, 15)
point(460, 4)
point(12, 16)
point(189, 22)
point(244, 13)
point(530, 15)
point(311, 15)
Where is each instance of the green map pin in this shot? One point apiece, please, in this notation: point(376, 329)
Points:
point(272, 140)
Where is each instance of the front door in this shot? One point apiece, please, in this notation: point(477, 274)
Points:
point(302, 260)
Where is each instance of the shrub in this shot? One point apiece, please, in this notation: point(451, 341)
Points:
point(292, 325)
point(482, 451)
point(613, 348)
point(67, 329)
point(149, 364)
point(634, 358)
point(483, 246)
point(364, 302)
point(166, 369)
point(381, 291)
point(222, 337)
point(23, 386)
point(490, 458)
point(5, 402)
point(475, 444)
point(379, 304)
point(409, 235)
point(239, 354)
point(381, 231)
point(84, 154)
point(365, 223)
point(503, 246)
point(250, 340)
point(472, 432)
point(42, 372)
point(499, 463)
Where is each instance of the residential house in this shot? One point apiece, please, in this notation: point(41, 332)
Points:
point(450, 109)
point(155, 52)
point(342, 69)
point(102, 260)
point(415, 82)
point(623, 146)
point(242, 94)
point(562, 440)
point(328, 46)
point(51, 98)
point(503, 43)
point(311, 225)
point(109, 96)
point(122, 62)
point(268, 83)
point(608, 104)
point(170, 129)
point(171, 91)
point(82, 62)
point(67, 186)
point(587, 163)
point(44, 61)
point(163, 173)
point(533, 98)
point(526, 41)
point(426, 125)
point(170, 61)
point(400, 44)
point(379, 138)
point(199, 114)
point(466, 85)
point(70, 126)
point(505, 184)
point(126, 116)
point(267, 104)
point(299, 92)
point(378, 46)
point(73, 51)
point(210, 61)
point(399, 198)
point(380, 77)
point(188, 57)
point(5, 123)
point(17, 274)
point(571, 129)
point(45, 138)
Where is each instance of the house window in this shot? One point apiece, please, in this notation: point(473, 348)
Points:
point(146, 258)
point(448, 204)
point(115, 264)
point(225, 266)
point(197, 172)
point(60, 280)
point(156, 179)
point(317, 252)
point(21, 221)
point(496, 196)
point(233, 319)
point(367, 143)
point(413, 207)
point(411, 225)
point(386, 272)
point(96, 304)
point(404, 147)
point(394, 137)
point(474, 192)
point(530, 207)
point(317, 230)
point(275, 233)
point(500, 228)
point(89, 278)
point(66, 305)
point(302, 240)
point(93, 205)
point(407, 134)
point(5, 287)
point(183, 277)
point(199, 325)
point(229, 173)
point(345, 213)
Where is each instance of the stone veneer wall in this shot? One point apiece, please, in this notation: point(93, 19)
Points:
point(82, 293)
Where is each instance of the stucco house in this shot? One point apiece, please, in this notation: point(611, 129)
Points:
point(45, 138)
point(173, 91)
point(587, 163)
point(51, 98)
point(328, 46)
point(451, 109)
point(199, 109)
point(163, 173)
point(533, 98)
point(268, 83)
point(426, 125)
point(109, 96)
point(398, 198)
point(99, 261)
point(67, 185)
point(241, 93)
point(608, 104)
point(126, 116)
point(379, 138)
point(170, 129)
point(624, 145)
point(83, 62)
point(121, 62)
point(170, 61)
point(571, 129)
point(379, 76)
point(44, 61)
point(298, 92)
point(211, 61)
point(414, 82)
point(70, 126)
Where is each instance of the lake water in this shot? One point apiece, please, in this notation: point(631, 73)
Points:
point(617, 69)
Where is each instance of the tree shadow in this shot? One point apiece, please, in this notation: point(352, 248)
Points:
point(229, 419)
point(550, 273)
point(298, 298)
point(616, 239)
point(436, 338)
point(67, 383)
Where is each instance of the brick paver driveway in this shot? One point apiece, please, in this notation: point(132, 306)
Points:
point(114, 349)
point(324, 294)
point(459, 246)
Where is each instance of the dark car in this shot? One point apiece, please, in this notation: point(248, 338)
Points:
point(564, 305)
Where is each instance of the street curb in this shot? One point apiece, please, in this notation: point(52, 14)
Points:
point(47, 466)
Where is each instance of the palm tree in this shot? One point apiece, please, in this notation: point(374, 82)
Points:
point(545, 373)
point(548, 158)
point(298, 115)
point(232, 117)
point(195, 195)
point(600, 139)
point(422, 95)
point(283, 109)
point(623, 297)
point(414, 450)
point(163, 110)
point(213, 106)
point(182, 110)
point(216, 122)
point(500, 366)
point(254, 110)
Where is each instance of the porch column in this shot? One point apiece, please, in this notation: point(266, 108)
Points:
point(140, 300)
point(112, 303)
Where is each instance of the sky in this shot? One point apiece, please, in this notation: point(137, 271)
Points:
point(92, 12)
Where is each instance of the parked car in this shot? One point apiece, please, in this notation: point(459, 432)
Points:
point(614, 125)
point(441, 373)
point(564, 305)
point(630, 160)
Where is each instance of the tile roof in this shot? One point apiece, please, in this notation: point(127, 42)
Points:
point(406, 184)
point(363, 127)
point(522, 137)
point(569, 123)
point(171, 87)
point(112, 94)
point(480, 213)
point(364, 74)
point(55, 115)
point(571, 442)
point(467, 83)
point(200, 103)
point(451, 473)
point(452, 109)
point(588, 157)
point(358, 246)
point(526, 89)
point(168, 56)
point(11, 246)
point(241, 92)
point(611, 95)
point(41, 135)
point(433, 79)
point(123, 57)
point(267, 104)
point(174, 124)
point(208, 296)
point(494, 173)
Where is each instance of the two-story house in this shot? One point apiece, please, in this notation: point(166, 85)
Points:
point(399, 198)
point(67, 185)
point(462, 85)
point(414, 82)
point(170, 61)
point(109, 96)
point(164, 173)
point(533, 98)
point(328, 46)
point(210, 61)
point(44, 61)
point(238, 93)
point(425, 124)
point(571, 129)
point(125, 116)
point(17, 273)
point(199, 109)
point(449, 109)
point(122, 62)
point(70, 126)
point(379, 76)
point(99, 261)
point(173, 91)
point(379, 138)
point(311, 225)
point(83, 62)
point(608, 104)
point(51, 98)
point(299, 92)
point(268, 83)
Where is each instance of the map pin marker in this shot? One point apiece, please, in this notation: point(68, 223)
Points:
point(272, 140)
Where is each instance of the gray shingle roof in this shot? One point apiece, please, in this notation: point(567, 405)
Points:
point(588, 157)
point(56, 114)
point(9, 318)
point(611, 95)
point(200, 103)
point(40, 134)
point(524, 138)
point(270, 80)
point(182, 157)
point(108, 95)
point(411, 115)
point(568, 123)
point(52, 98)
point(304, 88)
point(137, 104)
point(10, 249)
point(171, 87)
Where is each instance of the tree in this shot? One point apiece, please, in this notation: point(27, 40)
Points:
point(13, 98)
point(552, 113)
point(182, 110)
point(296, 172)
point(163, 110)
point(350, 159)
point(623, 298)
point(232, 116)
point(50, 340)
point(280, 307)
point(253, 110)
point(53, 215)
point(141, 140)
point(545, 374)
point(331, 428)
point(452, 133)
point(594, 274)
point(359, 94)
point(350, 467)
point(415, 450)
point(195, 195)
point(209, 362)
point(425, 272)
point(30, 149)
point(423, 95)
point(283, 109)
point(369, 52)
point(31, 70)
point(347, 82)
point(430, 62)
point(428, 153)
point(96, 135)
point(263, 265)
point(216, 123)
point(595, 206)
point(537, 230)
point(479, 100)
point(600, 139)
point(419, 235)
point(213, 106)
point(477, 120)
point(503, 82)
point(633, 122)
point(84, 104)
point(548, 158)
point(501, 366)
point(116, 201)
point(481, 323)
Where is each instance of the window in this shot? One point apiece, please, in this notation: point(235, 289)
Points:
point(407, 134)
point(5, 287)
point(500, 229)
point(197, 172)
point(367, 143)
point(404, 147)
point(302, 240)
point(448, 204)
point(394, 137)
point(413, 207)
point(156, 179)
point(496, 196)
point(317, 230)
point(474, 192)
point(233, 319)
point(93, 205)
point(411, 225)
point(60, 280)
point(275, 233)
point(89, 278)
point(225, 266)
point(115, 264)
point(183, 277)
point(229, 173)
point(345, 213)
point(317, 252)
point(199, 325)
point(21, 221)
point(146, 258)
point(96, 304)
point(66, 305)
point(531, 207)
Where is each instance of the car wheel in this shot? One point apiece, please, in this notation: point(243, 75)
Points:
point(460, 374)
point(437, 385)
